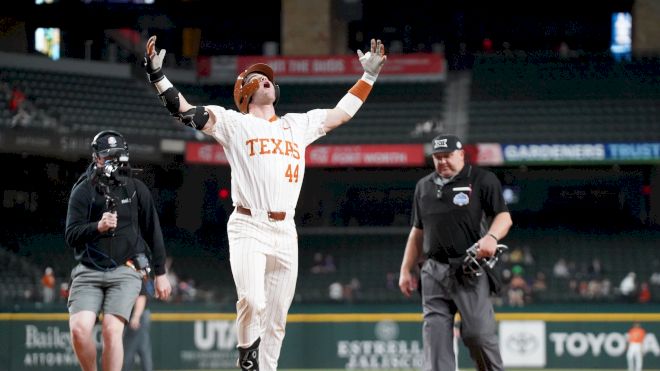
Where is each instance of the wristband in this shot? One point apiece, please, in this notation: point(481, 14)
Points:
point(156, 76)
point(495, 238)
point(352, 101)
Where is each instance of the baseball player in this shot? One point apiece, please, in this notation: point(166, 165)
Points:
point(634, 354)
point(266, 153)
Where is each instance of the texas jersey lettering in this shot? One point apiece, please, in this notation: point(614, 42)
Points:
point(266, 155)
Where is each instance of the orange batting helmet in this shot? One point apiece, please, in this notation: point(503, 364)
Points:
point(243, 92)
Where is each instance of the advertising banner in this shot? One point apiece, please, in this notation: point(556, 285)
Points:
point(387, 341)
point(581, 152)
point(366, 155)
point(430, 66)
point(70, 146)
point(484, 154)
point(522, 343)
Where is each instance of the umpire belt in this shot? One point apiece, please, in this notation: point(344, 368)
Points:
point(273, 216)
point(439, 257)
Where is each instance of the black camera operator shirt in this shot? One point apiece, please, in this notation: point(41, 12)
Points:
point(111, 249)
point(455, 215)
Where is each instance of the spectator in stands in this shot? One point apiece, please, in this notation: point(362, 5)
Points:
point(594, 289)
point(187, 290)
point(432, 126)
point(518, 288)
point(16, 99)
point(323, 263)
point(628, 286)
point(24, 115)
point(655, 278)
point(329, 263)
point(48, 285)
point(539, 286)
point(137, 335)
point(560, 270)
point(595, 269)
point(64, 291)
point(528, 257)
point(564, 51)
point(317, 265)
point(352, 290)
point(506, 50)
point(391, 281)
point(644, 293)
point(516, 256)
point(20, 107)
point(606, 288)
point(336, 291)
point(112, 225)
point(487, 46)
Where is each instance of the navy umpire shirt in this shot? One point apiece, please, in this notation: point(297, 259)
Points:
point(455, 215)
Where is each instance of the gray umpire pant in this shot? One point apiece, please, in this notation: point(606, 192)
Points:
point(442, 296)
point(138, 342)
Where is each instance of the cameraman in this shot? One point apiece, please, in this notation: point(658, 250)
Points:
point(113, 227)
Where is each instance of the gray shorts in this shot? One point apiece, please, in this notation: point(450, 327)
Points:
point(112, 292)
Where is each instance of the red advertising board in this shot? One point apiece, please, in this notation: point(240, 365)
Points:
point(346, 65)
point(367, 155)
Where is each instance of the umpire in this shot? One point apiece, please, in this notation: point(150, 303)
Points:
point(455, 206)
point(112, 225)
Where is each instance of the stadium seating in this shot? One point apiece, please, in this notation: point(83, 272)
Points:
point(544, 99)
point(512, 100)
point(385, 118)
point(616, 253)
point(366, 265)
point(86, 103)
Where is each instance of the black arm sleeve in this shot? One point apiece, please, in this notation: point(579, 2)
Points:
point(79, 229)
point(150, 228)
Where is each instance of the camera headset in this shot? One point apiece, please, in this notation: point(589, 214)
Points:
point(116, 156)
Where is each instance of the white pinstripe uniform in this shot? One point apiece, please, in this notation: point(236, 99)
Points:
point(267, 159)
point(268, 165)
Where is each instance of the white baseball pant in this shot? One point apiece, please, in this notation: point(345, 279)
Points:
point(634, 357)
point(264, 261)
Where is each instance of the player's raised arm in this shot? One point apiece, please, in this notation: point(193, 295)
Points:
point(372, 62)
point(194, 116)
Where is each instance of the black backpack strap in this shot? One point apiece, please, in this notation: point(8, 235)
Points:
point(134, 195)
